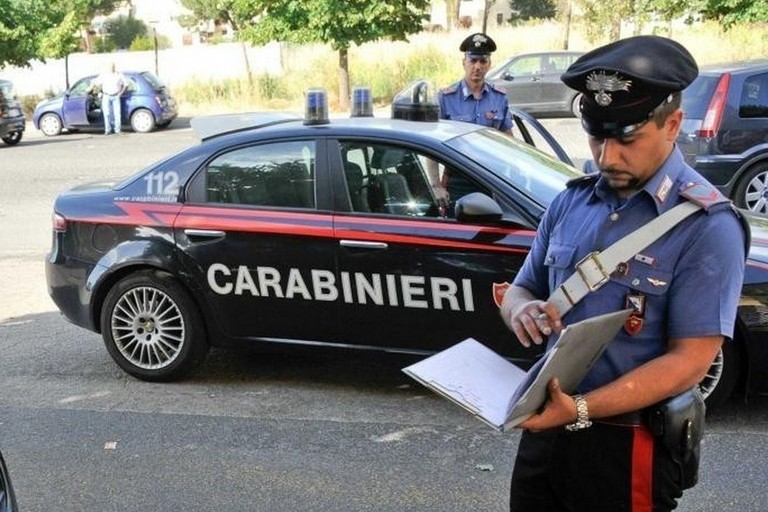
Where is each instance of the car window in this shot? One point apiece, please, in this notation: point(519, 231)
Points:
point(537, 174)
point(525, 66)
point(556, 63)
point(80, 87)
point(696, 97)
point(392, 180)
point(131, 84)
point(754, 97)
point(279, 175)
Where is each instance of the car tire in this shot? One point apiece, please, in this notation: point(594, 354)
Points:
point(722, 376)
point(576, 105)
point(751, 193)
point(153, 328)
point(143, 121)
point(13, 138)
point(50, 125)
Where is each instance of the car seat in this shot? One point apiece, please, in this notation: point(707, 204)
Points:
point(358, 193)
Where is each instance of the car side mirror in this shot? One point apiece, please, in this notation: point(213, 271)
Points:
point(508, 76)
point(478, 208)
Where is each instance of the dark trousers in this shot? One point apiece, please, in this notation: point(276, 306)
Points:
point(604, 468)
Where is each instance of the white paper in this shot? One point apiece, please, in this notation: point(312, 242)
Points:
point(502, 394)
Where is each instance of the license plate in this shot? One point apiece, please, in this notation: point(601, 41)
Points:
point(13, 112)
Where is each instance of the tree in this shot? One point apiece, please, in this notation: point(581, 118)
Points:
point(223, 11)
point(124, 29)
point(532, 9)
point(731, 12)
point(340, 23)
point(42, 29)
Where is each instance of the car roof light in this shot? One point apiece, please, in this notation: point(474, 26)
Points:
point(417, 102)
point(714, 113)
point(362, 103)
point(316, 107)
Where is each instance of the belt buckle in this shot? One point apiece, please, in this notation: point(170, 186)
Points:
point(596, 268)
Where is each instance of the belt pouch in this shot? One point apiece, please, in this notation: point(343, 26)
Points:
point(679, 423)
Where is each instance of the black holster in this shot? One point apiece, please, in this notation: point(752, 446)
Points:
point(679, 423)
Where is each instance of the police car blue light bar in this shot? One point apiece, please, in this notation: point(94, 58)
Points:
point(362, 103)
point(316, 107)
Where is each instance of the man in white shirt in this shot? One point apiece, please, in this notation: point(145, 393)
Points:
point(112, 85)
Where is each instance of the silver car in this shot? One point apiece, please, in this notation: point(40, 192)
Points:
point(532, 82)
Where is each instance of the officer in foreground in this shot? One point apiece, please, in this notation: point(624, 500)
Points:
point(605, 448)
point(472, 99)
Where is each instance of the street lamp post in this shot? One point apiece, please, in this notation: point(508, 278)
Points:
point(153, 24)
point(154, 34)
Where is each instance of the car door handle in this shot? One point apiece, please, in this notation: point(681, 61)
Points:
point(205, 233)
point(359, 244)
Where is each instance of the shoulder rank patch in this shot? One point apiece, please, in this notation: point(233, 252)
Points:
point(586, 180)
point(703, 194)
point(450, 89)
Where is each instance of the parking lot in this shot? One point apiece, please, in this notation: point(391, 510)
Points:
point(250, 431)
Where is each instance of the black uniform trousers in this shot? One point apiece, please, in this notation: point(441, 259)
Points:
point(604, 468)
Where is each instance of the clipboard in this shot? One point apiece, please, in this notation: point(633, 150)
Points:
point(500, 393)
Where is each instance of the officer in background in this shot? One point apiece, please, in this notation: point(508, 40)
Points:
point(595, 451)
point(472, 99)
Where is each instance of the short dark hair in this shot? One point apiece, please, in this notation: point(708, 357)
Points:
point(660, 114)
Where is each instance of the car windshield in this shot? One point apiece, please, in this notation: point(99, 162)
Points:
point(540, 176)
point(696, 96)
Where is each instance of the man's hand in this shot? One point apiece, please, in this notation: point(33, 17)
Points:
point(559, 410)
point(530, 319)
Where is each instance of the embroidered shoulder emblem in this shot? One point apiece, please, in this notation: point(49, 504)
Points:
point(449, 90)
point(703, 195)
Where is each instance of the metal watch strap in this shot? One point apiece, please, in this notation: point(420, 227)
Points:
point(595, 269)
point(582, 414)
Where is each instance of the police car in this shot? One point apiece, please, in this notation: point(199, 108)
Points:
point(285, 230)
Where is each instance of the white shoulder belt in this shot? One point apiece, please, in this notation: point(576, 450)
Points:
point(595, 269)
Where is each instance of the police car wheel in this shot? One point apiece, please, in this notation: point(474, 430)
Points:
point(722, 376)
point(152, 327)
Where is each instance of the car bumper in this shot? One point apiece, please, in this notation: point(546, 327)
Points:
point(12, 125)
point(719, 171)
point(65, 280)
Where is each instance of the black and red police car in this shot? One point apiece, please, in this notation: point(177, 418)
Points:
point(283, 230)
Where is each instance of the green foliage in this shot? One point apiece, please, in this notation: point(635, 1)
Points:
point(40, 29)
point(104, 45)
point(212, 10)
point(147, 42)
point(731, 12)
point(340, 23)
point(124, 29)
point(532, 9)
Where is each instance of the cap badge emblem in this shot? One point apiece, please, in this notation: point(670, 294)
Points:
point(479, 39)
point(604, 84)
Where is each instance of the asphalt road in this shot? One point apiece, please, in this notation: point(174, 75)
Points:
point(250, 431)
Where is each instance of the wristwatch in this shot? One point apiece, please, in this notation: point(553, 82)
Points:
point(582, 415)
